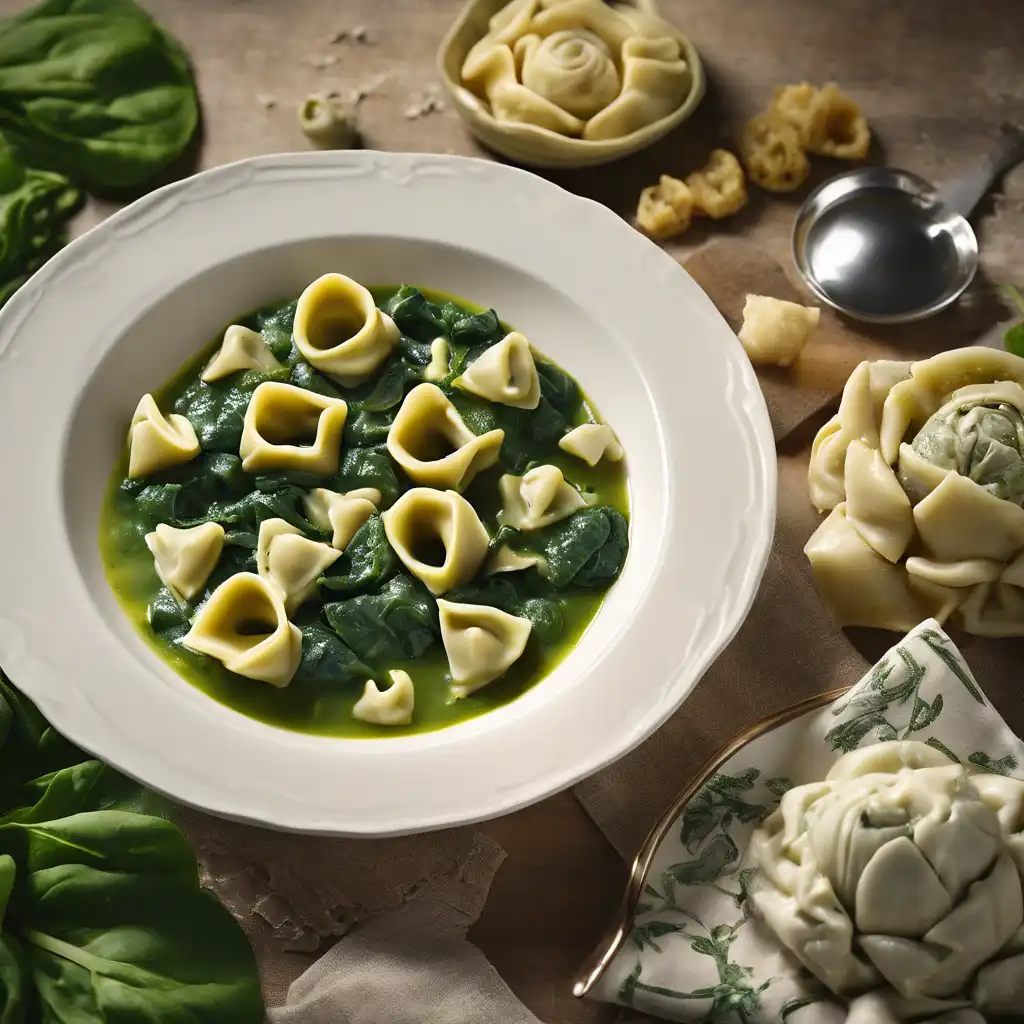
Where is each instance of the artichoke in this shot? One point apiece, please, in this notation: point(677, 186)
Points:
point(901, 873)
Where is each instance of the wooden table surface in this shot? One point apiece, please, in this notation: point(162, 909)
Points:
point(935, 80)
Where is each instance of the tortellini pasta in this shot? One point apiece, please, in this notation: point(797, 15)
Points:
point(430, 441)
point(772, 154)
point(826, 120)
point(505, 559)
point(393, 706)
point(719, 188)
point(923, 468)
point(241, 349)
point(158, 442)
point(540, 497)
point(776, 331)
point(244, 626)
point(341, 513)
point(185, 558)
point(438, 536)
point(665, 209)
point(287, 427)
point(592, 442)
point(290, 561)
point(504, 373)
point(481, 642)
point(578, 68)
point(440, 356)
point(340, 331)
point(900, 873)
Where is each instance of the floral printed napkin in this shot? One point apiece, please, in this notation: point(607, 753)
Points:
point(695, 953)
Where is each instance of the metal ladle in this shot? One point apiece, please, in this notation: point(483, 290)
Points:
point(884, 245)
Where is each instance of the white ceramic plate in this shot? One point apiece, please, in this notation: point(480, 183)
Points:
point(116, 312)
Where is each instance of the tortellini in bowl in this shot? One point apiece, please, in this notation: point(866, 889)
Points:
point(922, 469)
point(901, 873)
point(569, 82)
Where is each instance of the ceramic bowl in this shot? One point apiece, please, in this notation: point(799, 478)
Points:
point(119, 310)
point(539, 147)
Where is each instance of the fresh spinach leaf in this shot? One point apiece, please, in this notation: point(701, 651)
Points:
point(368, 560)
point(397, 622)
point(96, 89)
point(325, 659)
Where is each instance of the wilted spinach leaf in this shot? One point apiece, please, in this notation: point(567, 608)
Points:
point(367, 467)
point(304, 376)
point(366, 428)
point(325, 659)
point(477, 330)
point(397, 622)
point(531, 435)
point(415, 315)
point(390, 386)
point(276, 323)
point(368, 560)
point(558, 388)
point(168, 617)
point(587, 549)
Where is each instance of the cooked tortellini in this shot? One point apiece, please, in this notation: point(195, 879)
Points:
point(901, 873)
point(393, 706)
point(342, 513)
point(430, 441)
point(185, 558)
point(540, 497)
point(157, 442)
point(287, 427)
point(438, 536)
point(440, 357)
point(241, 349)
point(578, 67)
point(592, 442)
point(719, 188)
point(826, 120)
point(923, 469)
point(505, 559)
point(481, 642)
point(504, 373)
point(244, 626)
point(772, 154)
point(290, 561)
point(340, 331)
point(776, 331)
point(665, 209)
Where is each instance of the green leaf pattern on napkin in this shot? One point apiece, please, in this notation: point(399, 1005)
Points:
point(695, 952)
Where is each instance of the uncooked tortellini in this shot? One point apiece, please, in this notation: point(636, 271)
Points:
point(580, 68)
point(438, 536)
point(901, 873)
point(244, 626)
point(481, 642)
point(776, 331)
point(430, 441)
point(340, 331)
point(923, 469)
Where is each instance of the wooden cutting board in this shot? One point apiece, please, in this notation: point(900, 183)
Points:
point(729, 269)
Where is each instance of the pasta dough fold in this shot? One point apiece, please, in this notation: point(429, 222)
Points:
point(393, 706)
point(185, 558)
point(341, 513)
point(537, 499)
point(506, 373)
point(340, 331)
point(290, 561)
point(158, 442)
point(481, 642)
point(592, 442)
point(430, 441)
point(926, 462)
point(286, 427)
point(245, 627)
point(241, 349)
point(438, 536)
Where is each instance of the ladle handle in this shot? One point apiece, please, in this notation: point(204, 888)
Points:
point(964, 194)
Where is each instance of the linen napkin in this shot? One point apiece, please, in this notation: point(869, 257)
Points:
point(694, 951)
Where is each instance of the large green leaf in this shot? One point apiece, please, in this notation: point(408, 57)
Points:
point(95, 88)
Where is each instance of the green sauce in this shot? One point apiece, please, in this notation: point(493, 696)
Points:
point(325, 707)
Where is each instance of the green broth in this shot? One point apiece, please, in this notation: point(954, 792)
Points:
point(325, 708)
